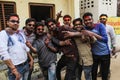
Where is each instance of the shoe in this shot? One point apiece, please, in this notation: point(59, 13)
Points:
point(99, 74)
point(109, 74)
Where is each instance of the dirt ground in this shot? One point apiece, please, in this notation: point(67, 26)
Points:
point(115, 69)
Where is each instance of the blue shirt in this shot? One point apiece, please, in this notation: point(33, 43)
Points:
point(100, 47)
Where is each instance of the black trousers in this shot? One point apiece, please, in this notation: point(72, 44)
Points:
point(104, 61)
point(70, 64)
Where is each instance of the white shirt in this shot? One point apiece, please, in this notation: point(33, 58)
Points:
point(111, 36)
point(17, 52)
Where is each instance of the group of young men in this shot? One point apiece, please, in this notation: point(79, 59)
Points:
point(84, 46)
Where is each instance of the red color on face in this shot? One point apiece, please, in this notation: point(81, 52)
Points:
point(87, 16)
point(66, 19)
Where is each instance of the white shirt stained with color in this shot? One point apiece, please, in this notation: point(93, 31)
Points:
point(17, 52)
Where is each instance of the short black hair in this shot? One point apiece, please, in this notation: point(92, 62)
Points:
point(29, 20)
point(12, 14)
point(67, 16)
point(37, 25)
point(103, 15)
point(87, 14)
point(50, 20)
point(77, 19)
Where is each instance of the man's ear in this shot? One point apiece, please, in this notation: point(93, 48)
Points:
point(7, 23)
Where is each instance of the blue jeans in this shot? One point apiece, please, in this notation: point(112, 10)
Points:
point(87, 72)
point(50, 72)
point(22, 69)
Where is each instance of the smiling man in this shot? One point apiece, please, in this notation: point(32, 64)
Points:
point(13, 50)
point(100, 50)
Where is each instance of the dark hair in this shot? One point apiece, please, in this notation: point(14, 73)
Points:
point(29, 20)
point(50, 20)
point(77, 19)
point(87, 14)
point(36, 26)
point(67, 16)
point(12, 14)
point(103, 15)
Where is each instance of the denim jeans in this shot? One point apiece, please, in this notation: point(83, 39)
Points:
point(87, 72)
point(22, 69)
point(50, 72)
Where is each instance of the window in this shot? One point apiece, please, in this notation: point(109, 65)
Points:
point(5, 9)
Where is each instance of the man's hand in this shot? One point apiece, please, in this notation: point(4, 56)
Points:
point(59, 14)
point(28, 44)
point(47, 41)
point(31, 64)
point(16, 73)
point(67, 42)
point(68, 34)
point(113, 51)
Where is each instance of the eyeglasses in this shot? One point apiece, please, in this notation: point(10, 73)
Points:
point(66, 19)
point(40, 29)
point(77, 25)
point(102, 18)
point(14, 21)
point(51, 25)
point(31, 25)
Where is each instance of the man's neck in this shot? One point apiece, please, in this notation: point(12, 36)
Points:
point(10, 31)
point(28, 32)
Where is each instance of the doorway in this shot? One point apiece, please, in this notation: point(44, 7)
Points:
point(42, 11)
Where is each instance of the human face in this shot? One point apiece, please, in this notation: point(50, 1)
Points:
point(67, 21)
point(13, 23)
point(51, 26)
point(40, 30)
point(88, 21)
point(103, 19)
point(78, 26)
point(30, 26)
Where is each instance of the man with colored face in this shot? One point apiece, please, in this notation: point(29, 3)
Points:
point(13, 50)
point(67, 19)
point(111, 35)
point(100, 50)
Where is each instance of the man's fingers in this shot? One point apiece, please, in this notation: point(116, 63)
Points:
point(64, 31)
